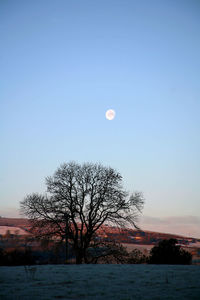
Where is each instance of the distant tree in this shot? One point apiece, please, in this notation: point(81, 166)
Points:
point(167, 252)
point(79, 200)
point(7, 235)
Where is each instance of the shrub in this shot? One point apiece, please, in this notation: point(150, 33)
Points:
point(136, 257)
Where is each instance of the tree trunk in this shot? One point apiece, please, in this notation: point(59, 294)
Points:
point(66, 250)
point(66, 239)
point(79, 257)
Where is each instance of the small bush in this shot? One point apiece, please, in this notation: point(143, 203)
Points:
point(136, 257)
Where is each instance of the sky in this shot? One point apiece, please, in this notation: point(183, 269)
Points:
point(63, 64)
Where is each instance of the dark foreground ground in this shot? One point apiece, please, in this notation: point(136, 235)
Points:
point(123, 282)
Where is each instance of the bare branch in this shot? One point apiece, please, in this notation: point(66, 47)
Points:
point(89, 195)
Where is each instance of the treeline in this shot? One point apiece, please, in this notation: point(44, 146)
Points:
point(16, 257)
point(166, 252)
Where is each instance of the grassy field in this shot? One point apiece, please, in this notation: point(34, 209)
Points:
point(123, 282)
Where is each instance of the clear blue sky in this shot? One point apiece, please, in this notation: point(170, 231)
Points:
point(64, 63)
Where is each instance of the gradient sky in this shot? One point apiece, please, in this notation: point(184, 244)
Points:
point(64, 63)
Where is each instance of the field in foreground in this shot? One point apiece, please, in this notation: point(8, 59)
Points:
point(100, 282)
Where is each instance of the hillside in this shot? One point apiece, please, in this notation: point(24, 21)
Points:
point(16, 222)
point(129, 236)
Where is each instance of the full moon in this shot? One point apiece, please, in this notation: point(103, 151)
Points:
point(110, 114)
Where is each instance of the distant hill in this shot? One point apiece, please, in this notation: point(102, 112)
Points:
point(14, 222)
point(129, 236)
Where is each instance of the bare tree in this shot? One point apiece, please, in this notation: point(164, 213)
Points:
point(78, 201)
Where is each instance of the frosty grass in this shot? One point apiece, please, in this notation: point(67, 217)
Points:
point(123, 282)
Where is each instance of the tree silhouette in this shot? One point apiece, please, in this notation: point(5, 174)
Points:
point(167, 252)
point(79, 200)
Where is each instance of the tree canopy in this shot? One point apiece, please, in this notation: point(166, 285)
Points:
point(78, 201)
point(167, 252)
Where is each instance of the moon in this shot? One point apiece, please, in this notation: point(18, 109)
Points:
point(110, 114)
